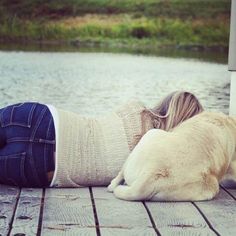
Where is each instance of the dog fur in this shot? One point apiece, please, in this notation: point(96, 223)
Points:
point(185, 164)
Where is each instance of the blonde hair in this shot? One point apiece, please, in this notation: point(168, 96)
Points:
point(172, 110)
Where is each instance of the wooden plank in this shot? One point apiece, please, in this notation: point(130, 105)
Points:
point(221, 213)
point(233, 192)
point(8, 200)
point(180, 218)
point(68, 230)
point(68, 212)
point(228, 184)
point(222, 196)
point(117, 217)
point(27, 213)
point(139, 231)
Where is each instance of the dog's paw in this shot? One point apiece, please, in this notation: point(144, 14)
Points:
point(111, 187)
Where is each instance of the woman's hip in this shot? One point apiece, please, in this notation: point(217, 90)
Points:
point(27, 145)
point(27, 167)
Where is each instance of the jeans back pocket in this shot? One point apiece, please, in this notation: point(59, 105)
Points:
point(12, 169)
point(18, 114)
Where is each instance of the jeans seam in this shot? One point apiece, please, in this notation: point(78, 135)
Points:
point(5, 168)
point(18, 124)
point(32, 164)
point(46, 148)
point(13, 155)
point(1, 117)
point(38, 123)
point(22, 170)
point(30, 115)
point(20, 139)
point(35, 140)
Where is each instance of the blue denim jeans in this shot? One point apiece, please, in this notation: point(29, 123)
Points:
point(27, 145)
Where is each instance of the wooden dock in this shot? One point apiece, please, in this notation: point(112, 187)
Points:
point(94, 211)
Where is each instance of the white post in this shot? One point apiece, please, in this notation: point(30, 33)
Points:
point(232, 59)
point(232, 104)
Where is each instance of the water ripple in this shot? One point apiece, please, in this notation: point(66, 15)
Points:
point(96, 83)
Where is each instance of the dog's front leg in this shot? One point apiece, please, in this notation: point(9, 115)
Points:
point(116, 181)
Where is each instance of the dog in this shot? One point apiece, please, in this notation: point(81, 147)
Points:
point(184, 164)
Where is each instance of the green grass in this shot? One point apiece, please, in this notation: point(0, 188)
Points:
point(152, 8)
point(171, 22)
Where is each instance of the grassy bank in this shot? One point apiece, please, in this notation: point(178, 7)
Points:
point(143, 23)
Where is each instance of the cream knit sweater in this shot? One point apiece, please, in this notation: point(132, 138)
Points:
point(91, 152)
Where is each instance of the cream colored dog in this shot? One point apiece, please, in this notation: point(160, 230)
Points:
point(185, 164)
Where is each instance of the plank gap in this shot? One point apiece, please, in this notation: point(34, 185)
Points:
point(94, 212)
point(231, 195)
point(151, 219)
point(41, 214)
point(14, 212)
point(205, 218)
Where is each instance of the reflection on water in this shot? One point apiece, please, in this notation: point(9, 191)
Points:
point(210, 55)
point(94, 83)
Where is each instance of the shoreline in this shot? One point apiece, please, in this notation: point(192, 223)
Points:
point(148, 44)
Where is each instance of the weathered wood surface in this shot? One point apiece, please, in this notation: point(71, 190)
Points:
point(68, 212)
point(94, 211)
point(232, 192)
point(27, 213)
point(117, 217)
point(182, 218)
point(8, 201)
point(221, 213)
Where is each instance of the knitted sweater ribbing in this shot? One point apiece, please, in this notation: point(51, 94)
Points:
point(91, 152)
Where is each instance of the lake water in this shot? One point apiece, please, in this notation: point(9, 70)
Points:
point(94, 83)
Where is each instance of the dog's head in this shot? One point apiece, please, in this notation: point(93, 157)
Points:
point(221, 121)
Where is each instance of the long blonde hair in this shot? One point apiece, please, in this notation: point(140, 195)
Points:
point(172, 110)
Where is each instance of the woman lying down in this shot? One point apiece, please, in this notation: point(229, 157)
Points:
point(185, 164)
point(43, 146)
